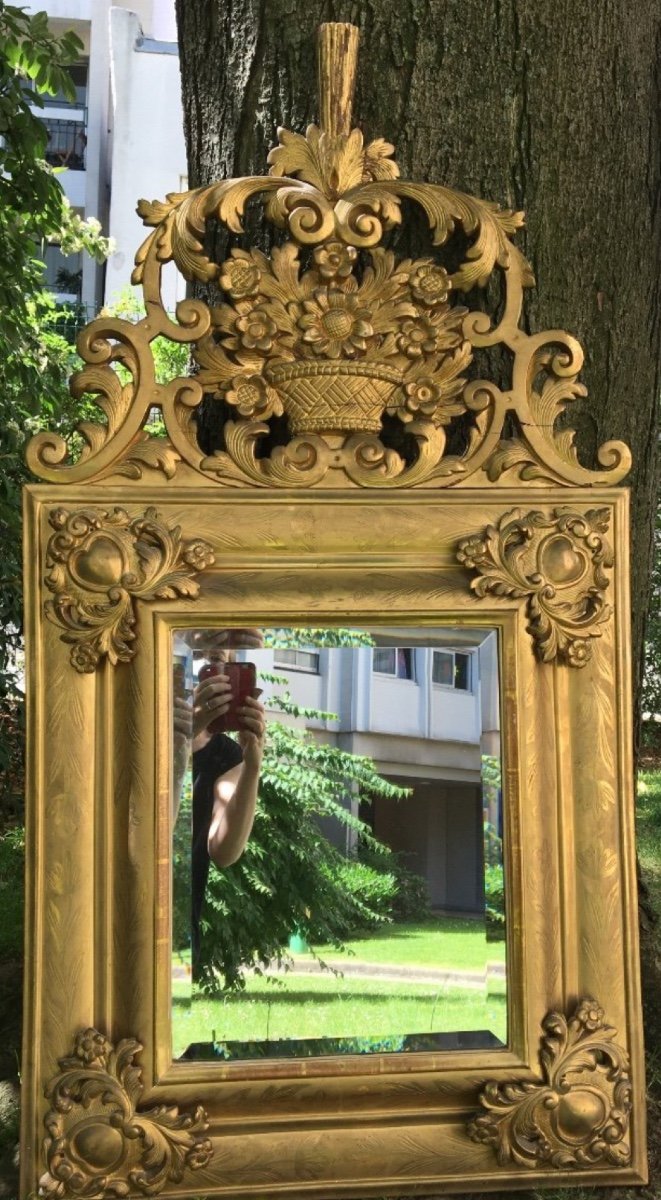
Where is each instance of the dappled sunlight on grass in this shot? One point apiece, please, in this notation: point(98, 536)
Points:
point(440, 943)
point(307, 1002)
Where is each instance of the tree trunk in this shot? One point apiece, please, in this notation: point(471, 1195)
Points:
point(550, 107)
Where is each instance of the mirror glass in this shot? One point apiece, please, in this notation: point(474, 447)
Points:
point(337, 842)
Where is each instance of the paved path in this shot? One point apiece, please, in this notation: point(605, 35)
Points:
point(394, 972)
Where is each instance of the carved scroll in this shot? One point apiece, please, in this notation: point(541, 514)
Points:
point(99, 563)
point(333, 333)
point(98, 1143)
point(577, 1115)
point(556, 562)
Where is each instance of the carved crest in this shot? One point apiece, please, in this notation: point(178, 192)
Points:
point(98, 1143)
point(556, 562)
point(369, 360)
point(577, 1116)
point(98, 563)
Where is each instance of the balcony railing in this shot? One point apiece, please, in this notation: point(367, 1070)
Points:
point(66, 143)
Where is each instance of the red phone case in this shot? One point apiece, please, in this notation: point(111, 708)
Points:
point(242, 677)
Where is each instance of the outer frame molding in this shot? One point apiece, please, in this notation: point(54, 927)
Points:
point(98, 926)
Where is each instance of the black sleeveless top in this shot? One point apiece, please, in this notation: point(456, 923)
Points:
point(219, 755)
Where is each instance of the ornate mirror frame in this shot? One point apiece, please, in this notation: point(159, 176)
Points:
point(142, 533)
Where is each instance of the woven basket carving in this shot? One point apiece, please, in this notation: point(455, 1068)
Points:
point(325, 397)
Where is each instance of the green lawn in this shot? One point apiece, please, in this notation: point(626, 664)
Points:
point(327, 1004)
point(441, 943)
point(314, 1006)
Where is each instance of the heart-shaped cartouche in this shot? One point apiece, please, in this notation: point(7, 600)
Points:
point(560, 562)
point(99, 564)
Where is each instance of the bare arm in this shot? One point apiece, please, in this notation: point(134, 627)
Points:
point(235, 792)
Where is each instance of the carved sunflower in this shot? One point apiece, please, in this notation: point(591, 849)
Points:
point(430, 284)
point(335, 260)
point(417, 337)
point(256, 330)
point(240, 276)
point(334, 325)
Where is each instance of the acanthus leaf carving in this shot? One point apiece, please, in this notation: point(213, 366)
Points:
point(557, 562)
point(99, 1143)
point(99, 563)
point(338, 346)
point(577, 1115)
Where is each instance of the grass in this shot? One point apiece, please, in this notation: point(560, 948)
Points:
point(441, 943)
point(316, 1006)
point(328, 1004)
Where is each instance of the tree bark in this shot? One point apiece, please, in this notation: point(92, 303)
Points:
point(553, 108)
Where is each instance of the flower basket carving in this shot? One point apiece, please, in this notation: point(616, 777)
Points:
point(329, 397)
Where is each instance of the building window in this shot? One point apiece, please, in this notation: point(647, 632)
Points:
point(452, 669)
point(64, 273)
point(394, 660)
point(66, 143)
point(297, 660)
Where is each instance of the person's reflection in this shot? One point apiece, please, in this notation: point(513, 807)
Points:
point(225, 772)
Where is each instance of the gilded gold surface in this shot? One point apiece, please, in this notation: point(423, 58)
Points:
point(332, 526)
point(578, 1116)
point(556, 561)
point(333, 343)
point(98, 1142)
point(98, 563)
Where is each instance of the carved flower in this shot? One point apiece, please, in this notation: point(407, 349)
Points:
point(248, 395)
point(256, 330)
point(91, 1045)
point(335, 260)
point(84, 657)
point(417, 337)
point(198, 555)
point(422, 395)
point(430, 284)
point(240, 276)
point(589, 1013)
point(334, 324)
point(578, 653)
point(425, 396)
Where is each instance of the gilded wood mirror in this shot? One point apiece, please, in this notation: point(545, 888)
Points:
point(434, 595)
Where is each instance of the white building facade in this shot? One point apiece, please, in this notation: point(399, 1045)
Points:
point(121, 140)
point(426, 710)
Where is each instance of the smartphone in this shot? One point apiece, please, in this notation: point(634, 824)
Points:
point(242, 677)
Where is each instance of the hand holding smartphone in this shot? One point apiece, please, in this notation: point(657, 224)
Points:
point(242, 679)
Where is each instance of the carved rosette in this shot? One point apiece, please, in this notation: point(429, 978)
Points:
point(98, 1144)
point(577, 1115)
point(556, 562)
point(99, 563)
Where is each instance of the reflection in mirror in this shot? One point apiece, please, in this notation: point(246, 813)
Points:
point(337, 842)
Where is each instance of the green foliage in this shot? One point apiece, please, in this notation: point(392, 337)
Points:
point(290, 876)
point(33, 211)
point(373, 893)
point(292, 639)
point(12, 855)
point(494, 896)
point(411, 898)
point(170, 358)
